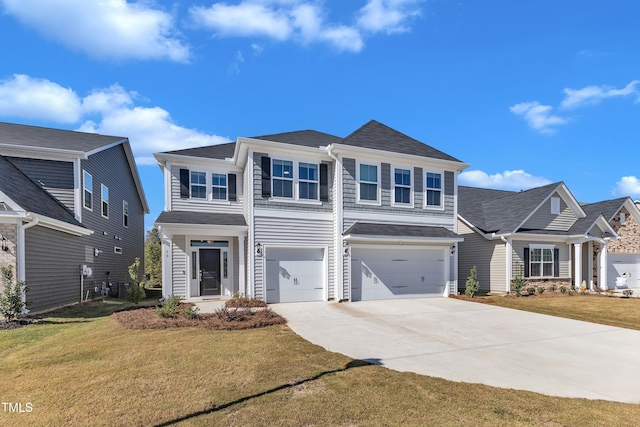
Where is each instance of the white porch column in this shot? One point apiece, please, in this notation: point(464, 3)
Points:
point(577, 270)
point(590, 264)
point(602, 272)
point(242, 288)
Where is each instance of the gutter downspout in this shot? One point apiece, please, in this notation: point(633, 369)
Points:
point(338, 250)
point(509, 262)
point(21, 270)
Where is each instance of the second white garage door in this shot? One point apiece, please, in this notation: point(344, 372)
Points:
point(295, 274)
point(397, 273)
point(623, 263)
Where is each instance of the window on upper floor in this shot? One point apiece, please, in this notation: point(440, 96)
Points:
point(541, 261)
point(219, 186)
point(282, 178)
point(368, 182)
point(433, 190)
point(87, 184)
point(104, 194)
point(402, 186)
point(555, 205)
point(198, 185)
point(125, 213)
point(308, 181)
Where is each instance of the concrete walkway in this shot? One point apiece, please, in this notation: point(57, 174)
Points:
point(478, 343)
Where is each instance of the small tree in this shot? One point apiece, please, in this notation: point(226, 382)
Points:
point(472, 286)
point(11, 303)
point(135, 291)
point(518, 283)
point(153, 258)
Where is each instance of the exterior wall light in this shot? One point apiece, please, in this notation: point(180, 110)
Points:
point(453, 249)
point(258, 249)
point(3, 245)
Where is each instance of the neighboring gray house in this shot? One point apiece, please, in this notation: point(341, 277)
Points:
point(547, 236)
point(68, 199)
point(308, 216)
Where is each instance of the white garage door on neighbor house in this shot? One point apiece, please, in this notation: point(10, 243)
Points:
point(397, 273)
point(620, 264)
point(295, 274)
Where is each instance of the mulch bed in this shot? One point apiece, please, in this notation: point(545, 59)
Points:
point(15, 324)
point(222, 319)
point(547, 294)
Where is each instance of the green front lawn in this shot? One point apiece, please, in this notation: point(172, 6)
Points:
point(83, 368)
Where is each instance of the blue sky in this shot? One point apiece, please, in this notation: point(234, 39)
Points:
point(526, 92)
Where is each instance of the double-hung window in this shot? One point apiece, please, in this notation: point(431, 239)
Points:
point(198, 185)
point(402, 186)
point(219, 186)
point(282, 178)
point(87, 183)
point(433, 190)
point(104, 193)
point(368, 182)
point(541, 261)
point(308, 181)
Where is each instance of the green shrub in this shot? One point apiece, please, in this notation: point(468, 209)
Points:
point(11, 304)
point(540, 290)
point(135, 291)
point(519, 282)
point(563, 289)
point(472, 286)
point(190, 312)
point(531, 290)
point(169, 307)
point(553, 288)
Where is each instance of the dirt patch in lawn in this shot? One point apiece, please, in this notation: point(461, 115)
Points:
point(223, 319)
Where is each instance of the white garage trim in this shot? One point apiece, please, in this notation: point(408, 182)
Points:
point(305, 267)
point(623, 263)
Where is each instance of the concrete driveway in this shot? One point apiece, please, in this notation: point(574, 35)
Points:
point(478, 343)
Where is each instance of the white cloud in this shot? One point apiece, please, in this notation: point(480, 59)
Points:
point(627, 186)
point(104, 29)
point(594, 94)
point(515, 180)
point(538, 116)
point(109, 111)
point(304, 21)
point(31, 98)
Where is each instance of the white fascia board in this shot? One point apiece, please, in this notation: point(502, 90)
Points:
point(106, 147)
point(491, 236)
point(41, 153)
point(397, 218)
point(11, 217)
point(390, 156)
point(400, 239)
point(190, 161)
point(633, 209)
point(13, 205)
point(546, 237)
point(268, 147)
point(275, 213)
point(134, 172)
point(204, 230)
point(602, 222)
point(60, 225)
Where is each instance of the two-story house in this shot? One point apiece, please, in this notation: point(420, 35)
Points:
point(308, 216)
point(67, 200)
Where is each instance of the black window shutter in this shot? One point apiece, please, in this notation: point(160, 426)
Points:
point(324, 182)
point(526, 262)
point(184, 183)
point(266, 176)
point(232, 187)
point(556, 262)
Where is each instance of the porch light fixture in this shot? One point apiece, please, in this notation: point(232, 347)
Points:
point(453, 249)
point(258, 249)
point(347, 249)
point(4, 244)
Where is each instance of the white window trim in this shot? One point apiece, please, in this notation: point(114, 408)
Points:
point(282, 178)
point(206, 185)
point(117, 250)
point(411, 186)
point(300, 180)
point(84, 189)
point(378, 201)
point(296, 181)
point(555, 205)
point(226, 187)
point(551, 247)
point(125, 212)
point(424, 191)
point(102, 200)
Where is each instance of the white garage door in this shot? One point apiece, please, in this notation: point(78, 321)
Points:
point(397, 273)
point(623, 263)
point(294, 274)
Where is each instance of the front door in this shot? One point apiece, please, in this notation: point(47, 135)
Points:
point(210, 272)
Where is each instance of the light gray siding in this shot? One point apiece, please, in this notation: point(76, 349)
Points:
point(489, 257)
point(293, 233)
point(52, 266)
point(201, 205)
point(179, 266)
point(54, 176)
point(518, 256)
point(543, 219)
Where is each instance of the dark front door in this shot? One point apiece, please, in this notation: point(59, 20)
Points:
point(209, 271)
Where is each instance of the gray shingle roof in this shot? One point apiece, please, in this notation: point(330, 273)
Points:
point(218, 151)
point(30, 196)
point(397, 230)
point(307, 138)
point(377, 136)
point(498, 211)
point(200, 218)
point(607, 208)
point(33, 136)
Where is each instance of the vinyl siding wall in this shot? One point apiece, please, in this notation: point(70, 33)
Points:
point(543, 219)
point(202, 205)
point(518, 256)
point(294, 233)
point(179, 266)
point(54, 176)
point(489, 257)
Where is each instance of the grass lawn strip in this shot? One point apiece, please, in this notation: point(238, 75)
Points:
point(91, 371)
